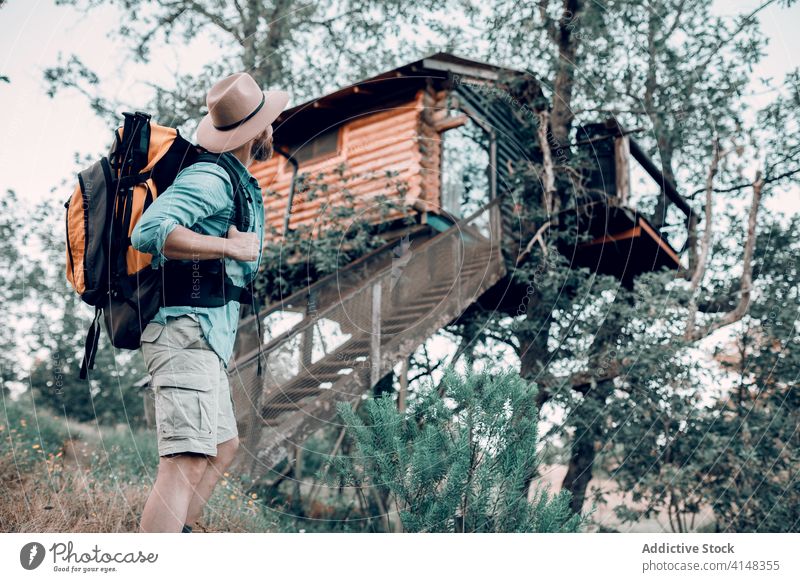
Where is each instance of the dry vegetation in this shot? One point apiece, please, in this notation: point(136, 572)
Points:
point(61, 476)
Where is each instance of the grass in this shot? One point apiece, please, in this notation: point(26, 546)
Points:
point(62, 476)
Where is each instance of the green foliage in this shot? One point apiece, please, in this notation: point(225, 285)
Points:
point(110, 395)
point(456, 461)
point(28, 434)
point(316, 47)
point(751, 480)
point(340, 234)
point(126, 454)
point(678, 447)
point(101, 467)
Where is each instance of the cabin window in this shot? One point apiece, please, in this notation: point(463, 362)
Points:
point(321, 145)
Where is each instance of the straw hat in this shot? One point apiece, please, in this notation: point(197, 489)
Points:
point(238, 110)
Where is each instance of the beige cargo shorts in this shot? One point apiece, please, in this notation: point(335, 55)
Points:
point(194, 408)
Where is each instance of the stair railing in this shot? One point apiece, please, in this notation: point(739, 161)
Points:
point(299, 296)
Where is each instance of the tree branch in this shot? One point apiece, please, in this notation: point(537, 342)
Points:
point(733, 35)
point(765, 181)
point(705, 243)
point(747, 266)
point(218, 21)
point(548, 178)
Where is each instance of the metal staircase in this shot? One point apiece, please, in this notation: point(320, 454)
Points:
point(335, 339)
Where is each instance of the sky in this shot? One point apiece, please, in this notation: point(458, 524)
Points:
point(34, 32)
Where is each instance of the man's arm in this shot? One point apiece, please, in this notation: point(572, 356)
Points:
point(183, 243)
point(164, 229)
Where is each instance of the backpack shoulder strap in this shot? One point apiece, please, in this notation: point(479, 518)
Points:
point(241, 215)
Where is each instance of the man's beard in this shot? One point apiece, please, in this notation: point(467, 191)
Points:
point(262, 150)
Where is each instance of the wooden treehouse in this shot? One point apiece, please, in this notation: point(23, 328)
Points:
point(427, 124)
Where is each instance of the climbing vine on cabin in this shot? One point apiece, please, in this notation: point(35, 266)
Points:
point(344, 228)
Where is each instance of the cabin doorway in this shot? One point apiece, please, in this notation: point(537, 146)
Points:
point(465, 173)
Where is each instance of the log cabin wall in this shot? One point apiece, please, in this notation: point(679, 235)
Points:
point(430, 144)
point(393, 122)
point(396, 139)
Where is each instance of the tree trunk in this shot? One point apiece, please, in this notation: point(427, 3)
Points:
point(589, 422)
point(579, 472)
point(659, 217)
point(533, 352)
point(533, 340)
point(562, 112)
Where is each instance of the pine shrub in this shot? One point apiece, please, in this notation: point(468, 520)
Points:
point(457, 459)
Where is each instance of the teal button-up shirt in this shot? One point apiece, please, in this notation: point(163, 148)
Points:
point(201, 198)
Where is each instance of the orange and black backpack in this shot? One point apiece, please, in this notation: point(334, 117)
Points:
point(108, 201)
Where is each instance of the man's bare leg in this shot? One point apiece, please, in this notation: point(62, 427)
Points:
point(177, 478)
point(215, 467)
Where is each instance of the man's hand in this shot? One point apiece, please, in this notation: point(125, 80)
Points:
point(241, 246)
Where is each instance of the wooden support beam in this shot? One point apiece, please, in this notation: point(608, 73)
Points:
point(622, 155)
point(450, 122)
point(624, 235)
point(656, 237)
point(636, 231)
point(665, 184)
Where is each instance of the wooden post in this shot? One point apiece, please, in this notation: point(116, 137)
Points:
point(401, 397)
point(459, 257)
point(375, 343)
point(298, 468)
point(307, 335)
point(298, 471)
point(622, 156)
point(422, 209)
point(496, 225)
